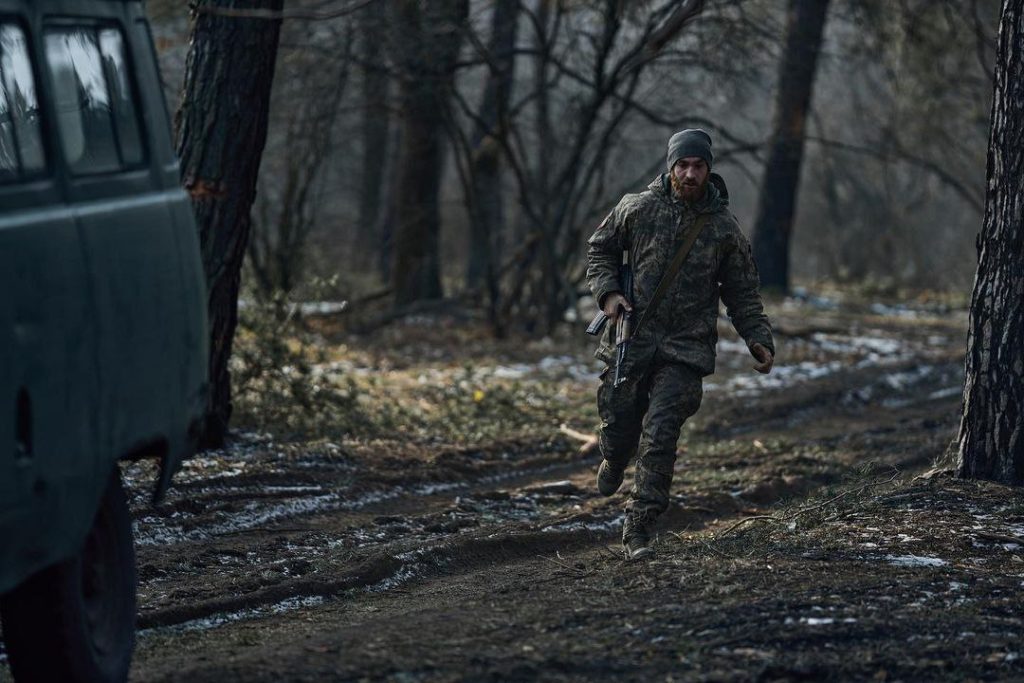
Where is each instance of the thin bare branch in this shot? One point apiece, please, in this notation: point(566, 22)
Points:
point(304, 15)
point(888, 153)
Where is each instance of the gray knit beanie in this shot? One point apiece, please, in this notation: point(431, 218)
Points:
point(692, 142)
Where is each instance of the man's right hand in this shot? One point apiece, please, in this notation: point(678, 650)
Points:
point(612, 302)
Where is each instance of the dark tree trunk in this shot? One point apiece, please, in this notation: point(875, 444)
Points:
point(777, 204)
point(384, 228)
point(430, 34)
point(991, 438)
point(376, 121)
point(487, 211)
point(543, 109)
point(221, 130)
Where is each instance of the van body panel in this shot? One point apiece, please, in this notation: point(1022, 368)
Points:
point(48, 472)
point(103, 337)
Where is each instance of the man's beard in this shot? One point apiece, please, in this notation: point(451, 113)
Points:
point(688, 193)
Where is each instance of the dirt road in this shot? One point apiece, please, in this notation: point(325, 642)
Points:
point(386, 559)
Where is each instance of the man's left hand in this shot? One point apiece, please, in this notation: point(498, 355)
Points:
point(767, 360)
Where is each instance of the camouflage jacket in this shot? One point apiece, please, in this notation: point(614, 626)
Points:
point(684, 327)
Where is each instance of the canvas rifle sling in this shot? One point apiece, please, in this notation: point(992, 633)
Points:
point(684, 249)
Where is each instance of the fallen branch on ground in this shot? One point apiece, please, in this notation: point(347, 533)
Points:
point(589, 440)
point(805, 510)
point(1000, 538)
point(576, 570)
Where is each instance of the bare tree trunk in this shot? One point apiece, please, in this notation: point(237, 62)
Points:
point(487, 211)
point(774, 225)
point(376, 122)
point(429, 38)
point(221, 130)
point(991, 438)
point(384, 227)
point(543, 110)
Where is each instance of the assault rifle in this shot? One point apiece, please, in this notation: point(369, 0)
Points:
point(623, 321)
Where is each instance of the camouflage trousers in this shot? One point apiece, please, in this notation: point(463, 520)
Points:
point(643, 416)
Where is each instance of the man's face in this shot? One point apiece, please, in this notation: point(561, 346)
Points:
point(691, 176)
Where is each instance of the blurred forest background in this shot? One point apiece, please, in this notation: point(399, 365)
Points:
point(545, 112)
point(410, 384)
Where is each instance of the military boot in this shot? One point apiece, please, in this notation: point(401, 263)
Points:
point(636, 536)
point(609, 478)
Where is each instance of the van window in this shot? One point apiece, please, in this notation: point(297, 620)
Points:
point(21, 144)
point(95, 103)
point(112, 50)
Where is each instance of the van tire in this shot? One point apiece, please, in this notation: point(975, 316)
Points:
point(75, 621)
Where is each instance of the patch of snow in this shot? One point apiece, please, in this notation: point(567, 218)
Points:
point(549, 366)
point(216, 620)
point(898, 311)
point(403, 575)
point(873, 348)
point(293, 489)
point(801, 296)
point(732, 346)
point(783, 376)
point(322, 307)
point(915, 561)
point(611, 525)
point(900, 381)
point(947, 392)
point(413, 563)
point(152, 530)
point(254, 515)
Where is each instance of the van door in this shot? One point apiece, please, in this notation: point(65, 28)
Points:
point(47, 354)
point(126, 231)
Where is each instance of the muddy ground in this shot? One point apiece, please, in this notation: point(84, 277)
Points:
point(464, 540)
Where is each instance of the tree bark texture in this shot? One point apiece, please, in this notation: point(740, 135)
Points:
point(429, 36)
point(991, 437)
point(221, 131)
point(376, 122)
point(777, 203)
point(487, 211)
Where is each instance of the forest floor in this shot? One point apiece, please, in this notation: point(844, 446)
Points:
point(462, 538)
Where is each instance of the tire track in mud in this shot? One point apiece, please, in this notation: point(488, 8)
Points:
point(410, 560)
point(201, 514)
point(378, 563)
point(386, 570)
point(422, 548)
point(394, 563)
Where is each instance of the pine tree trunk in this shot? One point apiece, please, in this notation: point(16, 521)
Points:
point(991, 438)
point(221, 130)
point(777, 203)
point(428, 42)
